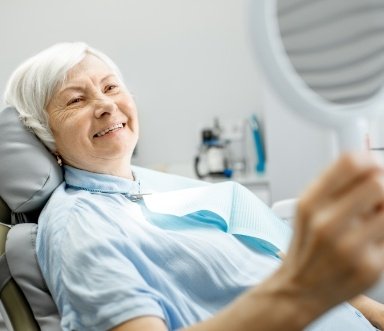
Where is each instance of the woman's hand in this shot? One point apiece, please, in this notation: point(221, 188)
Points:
point(372, 310)
point(338, 247)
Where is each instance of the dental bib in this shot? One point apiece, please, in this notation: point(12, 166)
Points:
point(228, 206)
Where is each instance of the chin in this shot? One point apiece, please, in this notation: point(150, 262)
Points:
point(116, 154)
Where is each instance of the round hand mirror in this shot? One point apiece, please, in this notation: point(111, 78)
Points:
point(325, 59)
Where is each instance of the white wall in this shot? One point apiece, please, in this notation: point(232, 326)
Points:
point(185, 61)
point(298, 150)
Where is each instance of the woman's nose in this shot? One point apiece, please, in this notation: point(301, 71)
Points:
point(104, 106)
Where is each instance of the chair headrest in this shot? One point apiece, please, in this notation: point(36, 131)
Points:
point(28, 171)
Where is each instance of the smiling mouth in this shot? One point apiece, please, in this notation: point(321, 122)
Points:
point(113, 128)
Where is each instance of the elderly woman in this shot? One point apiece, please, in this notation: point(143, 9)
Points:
point(110, 266)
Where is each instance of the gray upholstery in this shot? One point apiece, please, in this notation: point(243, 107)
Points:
point(21, 257)
point(28, 176)
point(28, 172)
point(15, 308)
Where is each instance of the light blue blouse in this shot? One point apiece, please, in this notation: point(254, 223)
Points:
point(107, 259)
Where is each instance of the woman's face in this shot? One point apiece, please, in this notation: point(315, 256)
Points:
point(94, 120)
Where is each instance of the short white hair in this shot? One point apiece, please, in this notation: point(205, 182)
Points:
point(31, 86)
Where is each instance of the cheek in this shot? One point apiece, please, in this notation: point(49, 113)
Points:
point(127, 103)
point(69, 136)
point(59, 125)
point(132, 111)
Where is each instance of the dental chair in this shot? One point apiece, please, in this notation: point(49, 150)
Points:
point(28, 175)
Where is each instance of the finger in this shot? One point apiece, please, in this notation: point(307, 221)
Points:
point(372, 229)
point(320, 198)
point(365, 243)
point(361, 203)
point(373, 261)
point(362, 252)
point(348, 169)
point(364, 199)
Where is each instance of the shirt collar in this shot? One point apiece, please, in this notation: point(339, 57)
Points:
point(96, 182)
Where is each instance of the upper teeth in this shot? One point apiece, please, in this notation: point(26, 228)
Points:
point(112, 128)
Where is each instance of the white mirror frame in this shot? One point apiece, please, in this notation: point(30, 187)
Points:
point(350, 121)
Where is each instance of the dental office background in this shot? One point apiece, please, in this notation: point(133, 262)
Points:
point(187, 62)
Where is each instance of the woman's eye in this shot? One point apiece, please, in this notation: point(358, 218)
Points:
point(110, 88)
point(73, 101)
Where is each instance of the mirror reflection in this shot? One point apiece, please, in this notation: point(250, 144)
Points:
point(336, 47)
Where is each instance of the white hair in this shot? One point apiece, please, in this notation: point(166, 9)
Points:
point(32, 85)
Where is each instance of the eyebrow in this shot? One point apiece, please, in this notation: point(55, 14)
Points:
point(77, 87)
